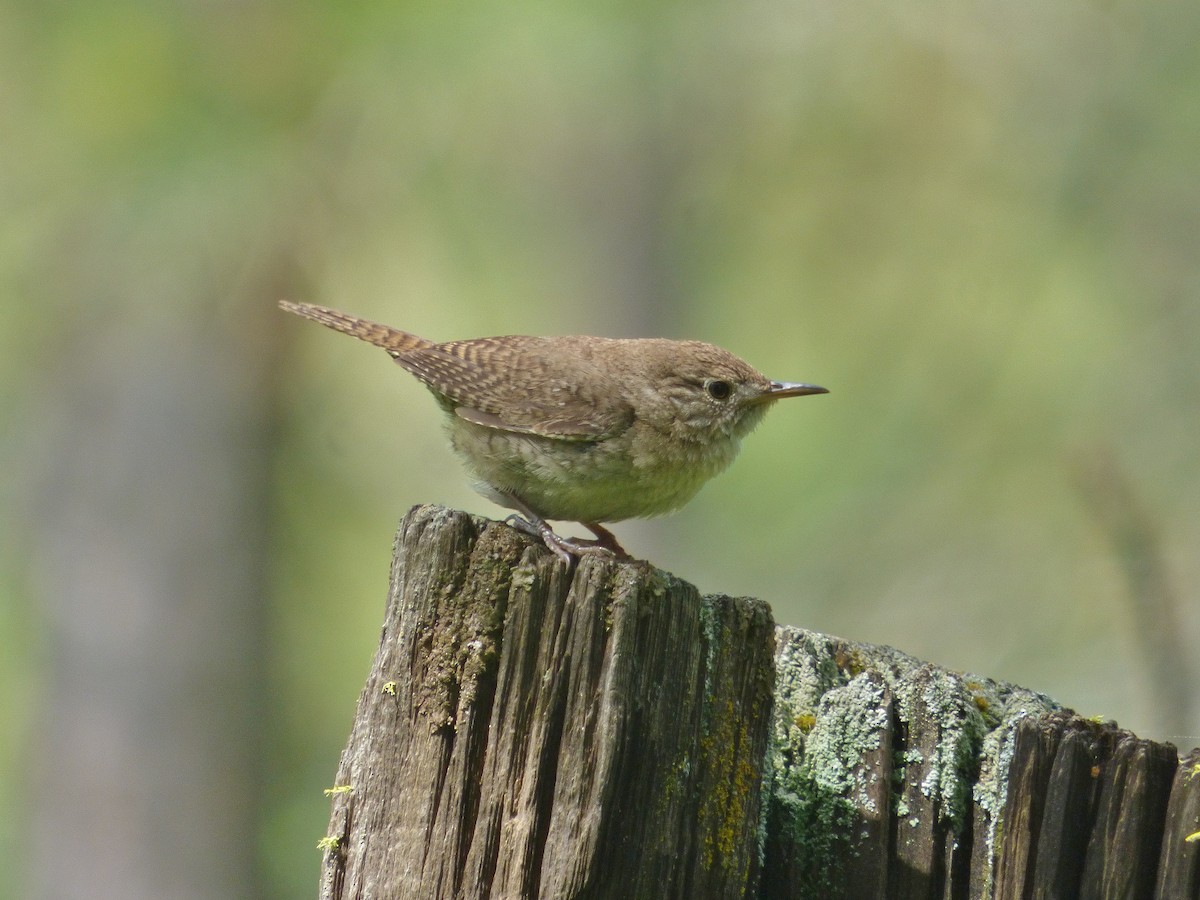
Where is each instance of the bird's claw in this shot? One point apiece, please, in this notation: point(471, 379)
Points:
point(564, 548)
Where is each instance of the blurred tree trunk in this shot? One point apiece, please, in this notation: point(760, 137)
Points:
point(1156, 609)
point(148, 558)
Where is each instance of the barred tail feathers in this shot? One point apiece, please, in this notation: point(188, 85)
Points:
point(393, 340)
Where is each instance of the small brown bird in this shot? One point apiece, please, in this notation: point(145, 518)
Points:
point(584, 429)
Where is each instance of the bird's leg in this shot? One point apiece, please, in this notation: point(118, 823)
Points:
point(606, 539)
point(564, 548)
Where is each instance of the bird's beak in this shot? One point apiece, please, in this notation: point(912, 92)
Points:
point(780, 389)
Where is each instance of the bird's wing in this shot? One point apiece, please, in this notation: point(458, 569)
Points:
point(528, 385)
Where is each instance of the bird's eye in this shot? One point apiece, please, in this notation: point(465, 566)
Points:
point(717, 389)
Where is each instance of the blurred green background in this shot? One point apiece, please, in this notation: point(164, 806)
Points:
point(977, 224)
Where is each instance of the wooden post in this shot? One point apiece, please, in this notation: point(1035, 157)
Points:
point(606, 732)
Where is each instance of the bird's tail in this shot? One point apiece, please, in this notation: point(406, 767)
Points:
point(393, 340)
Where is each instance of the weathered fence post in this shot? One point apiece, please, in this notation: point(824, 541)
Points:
point(606, 732)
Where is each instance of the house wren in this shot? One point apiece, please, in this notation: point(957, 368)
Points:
point(585, 429)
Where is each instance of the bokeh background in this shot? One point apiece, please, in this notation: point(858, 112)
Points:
point(978, 224)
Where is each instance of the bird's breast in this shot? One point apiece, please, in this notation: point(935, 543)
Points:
point(634, 474)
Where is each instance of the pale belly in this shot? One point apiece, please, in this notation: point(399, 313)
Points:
point(604, 481)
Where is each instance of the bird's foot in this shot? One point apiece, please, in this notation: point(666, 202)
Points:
point(605, 538)
point(566, 548)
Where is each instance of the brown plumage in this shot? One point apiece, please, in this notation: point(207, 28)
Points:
point(582, 428)
point(545, 386)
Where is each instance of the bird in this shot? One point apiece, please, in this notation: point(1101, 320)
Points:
point(578, 428)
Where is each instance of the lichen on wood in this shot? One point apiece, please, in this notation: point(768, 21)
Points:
point(594, 731)
point(602, 730)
